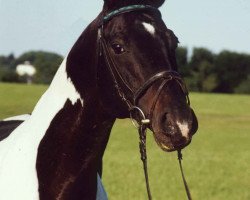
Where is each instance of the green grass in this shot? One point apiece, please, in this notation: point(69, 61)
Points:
point(216, 164)
point(18, 99)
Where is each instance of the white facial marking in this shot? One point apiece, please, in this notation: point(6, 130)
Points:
point(18, 152)
point(183, 128)
point(149, 27)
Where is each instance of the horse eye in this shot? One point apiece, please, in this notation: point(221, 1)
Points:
point(118, 49)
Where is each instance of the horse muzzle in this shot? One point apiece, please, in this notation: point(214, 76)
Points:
point(172, 134)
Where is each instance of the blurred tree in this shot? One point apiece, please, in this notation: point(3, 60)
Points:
point(7, 72)
point(7, 61)
point(9, 76)
point(46, 64)
point(244, 86)
point(231, 69)
point(182, 61)
point(3, 71)
point(202, 71)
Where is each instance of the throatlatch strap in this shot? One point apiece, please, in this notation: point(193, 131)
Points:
point(183, 176)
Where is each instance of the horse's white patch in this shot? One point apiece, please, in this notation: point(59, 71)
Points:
point(18, 153)
point(149, 27)
point(18, 117)
point(183, 128)
point(63, 87)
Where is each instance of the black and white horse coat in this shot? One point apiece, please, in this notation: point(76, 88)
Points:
point(18, 152)
point(56, 153)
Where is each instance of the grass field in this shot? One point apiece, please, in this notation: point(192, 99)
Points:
point(216, 164)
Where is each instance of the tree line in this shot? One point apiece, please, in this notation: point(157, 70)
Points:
point(203, 71)
point(46, 64)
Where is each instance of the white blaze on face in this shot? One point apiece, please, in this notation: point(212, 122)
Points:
point(149, 27)
point(183, 128)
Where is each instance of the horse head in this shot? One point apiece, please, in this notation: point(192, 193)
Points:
point(133, 53)
point(140, 50)
point(123, 65)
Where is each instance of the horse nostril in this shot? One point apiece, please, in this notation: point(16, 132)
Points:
point(164, 118)
point(165, 124)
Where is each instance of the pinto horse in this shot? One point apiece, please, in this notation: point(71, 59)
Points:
point(124, 62)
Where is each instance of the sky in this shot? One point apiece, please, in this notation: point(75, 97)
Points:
point(54, 25)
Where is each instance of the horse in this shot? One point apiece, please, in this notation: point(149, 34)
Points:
point(123, 65)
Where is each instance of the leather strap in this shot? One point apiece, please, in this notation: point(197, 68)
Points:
point(183, 176)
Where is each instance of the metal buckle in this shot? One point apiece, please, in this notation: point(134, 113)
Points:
point(140, 114)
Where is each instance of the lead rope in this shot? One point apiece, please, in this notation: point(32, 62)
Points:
point(142, 144)
point(183, 176)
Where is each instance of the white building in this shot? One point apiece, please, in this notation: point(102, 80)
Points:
point(27, 70)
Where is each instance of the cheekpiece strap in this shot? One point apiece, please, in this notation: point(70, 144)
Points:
point(126, 10)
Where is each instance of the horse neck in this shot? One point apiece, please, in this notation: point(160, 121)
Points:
point(75, 137)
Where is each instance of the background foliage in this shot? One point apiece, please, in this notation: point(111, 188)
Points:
point(204, 71)
point(46, 64)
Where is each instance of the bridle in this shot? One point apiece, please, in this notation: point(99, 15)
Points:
point(166, 76)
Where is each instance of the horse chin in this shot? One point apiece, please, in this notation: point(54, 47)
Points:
point(166, 142)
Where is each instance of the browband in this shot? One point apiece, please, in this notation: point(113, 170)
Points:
point(126, 9)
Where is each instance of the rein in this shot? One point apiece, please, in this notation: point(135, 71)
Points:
point(136, 113)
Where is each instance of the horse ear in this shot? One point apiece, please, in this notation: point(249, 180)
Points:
point(110, 3)
point(157, 3)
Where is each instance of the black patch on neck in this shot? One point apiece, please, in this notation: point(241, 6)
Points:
point(70, 153)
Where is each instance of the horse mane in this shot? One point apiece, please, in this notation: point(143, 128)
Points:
point(82, 61)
